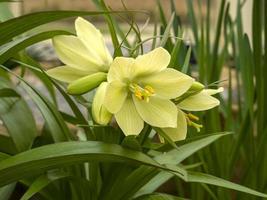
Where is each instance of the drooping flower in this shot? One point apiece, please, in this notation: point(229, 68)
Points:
point(86, 58)
point(195, 101)
point(140, 90)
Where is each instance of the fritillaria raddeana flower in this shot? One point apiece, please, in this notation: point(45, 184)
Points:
point(85, 56)
point(196, 99)
point(139, 90)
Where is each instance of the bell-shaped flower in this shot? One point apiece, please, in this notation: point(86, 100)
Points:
point(195, 101)
point(140, 90)
point(83, 56)
point(100, 114)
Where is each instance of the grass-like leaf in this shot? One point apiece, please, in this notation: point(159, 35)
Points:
point(62, 154)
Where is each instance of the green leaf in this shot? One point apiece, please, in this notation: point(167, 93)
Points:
point(19, 25)
point(73, 106)
point(198, 177)
point(6, 191)
point(53, 156)
point(7, 92)
point(13, 47)
point(3, 156)
point(41, 182)
point(187, 61)
point(54, 120)
point(7, 145)
point(176, 156)
point(158, 196)
point(167, 31)
point(18, 120)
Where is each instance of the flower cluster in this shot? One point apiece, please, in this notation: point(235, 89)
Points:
point(132, 90)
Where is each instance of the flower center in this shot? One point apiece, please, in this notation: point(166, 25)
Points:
point(190, 118)
point(140, 92)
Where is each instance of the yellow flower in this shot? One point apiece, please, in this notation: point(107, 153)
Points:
point(140, 90)
point(200, 101)
point(86, 58)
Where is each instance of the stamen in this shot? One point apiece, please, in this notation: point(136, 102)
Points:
point(149, 89)
point(142, 93)
point(192, 117)
point(189, 118)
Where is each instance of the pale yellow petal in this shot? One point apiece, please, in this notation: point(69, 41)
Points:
point(66, 74)
point(121, 69)
point(72, 52)
point(157, 112)
point(128, 119)
point(93, 40)
point(115, 96)
point(178, 133)
point(214, 91)
point(99, 112)
point(154, 61)
point(199, 102)
point(169, 83)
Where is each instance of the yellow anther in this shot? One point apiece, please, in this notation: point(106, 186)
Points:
point(138, 94)
point(149, 90)
point(142, 93)
point(189, 118)
point(192, 117)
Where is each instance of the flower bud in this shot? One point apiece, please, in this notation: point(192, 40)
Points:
point(196, 87)
point(99, 112)
point(87, 83)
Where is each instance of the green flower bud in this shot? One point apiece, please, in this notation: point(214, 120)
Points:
point(99, 112)
point(196, 87)
point(87, 83)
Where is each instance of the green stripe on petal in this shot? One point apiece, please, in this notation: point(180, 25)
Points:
point(72, 52)
point(199, 102)
point(169, 83)
point(66, 74)
point(157, 112)
point(178, 133)
point(115, 96)
point(154, 61)
point(121, 69)
point(128, 119)
point(93, 40)
point(86, 83)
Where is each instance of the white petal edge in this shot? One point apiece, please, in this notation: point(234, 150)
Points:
point(116, 94)
point(178, 133)
point(157, 112)
point(128, 119)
